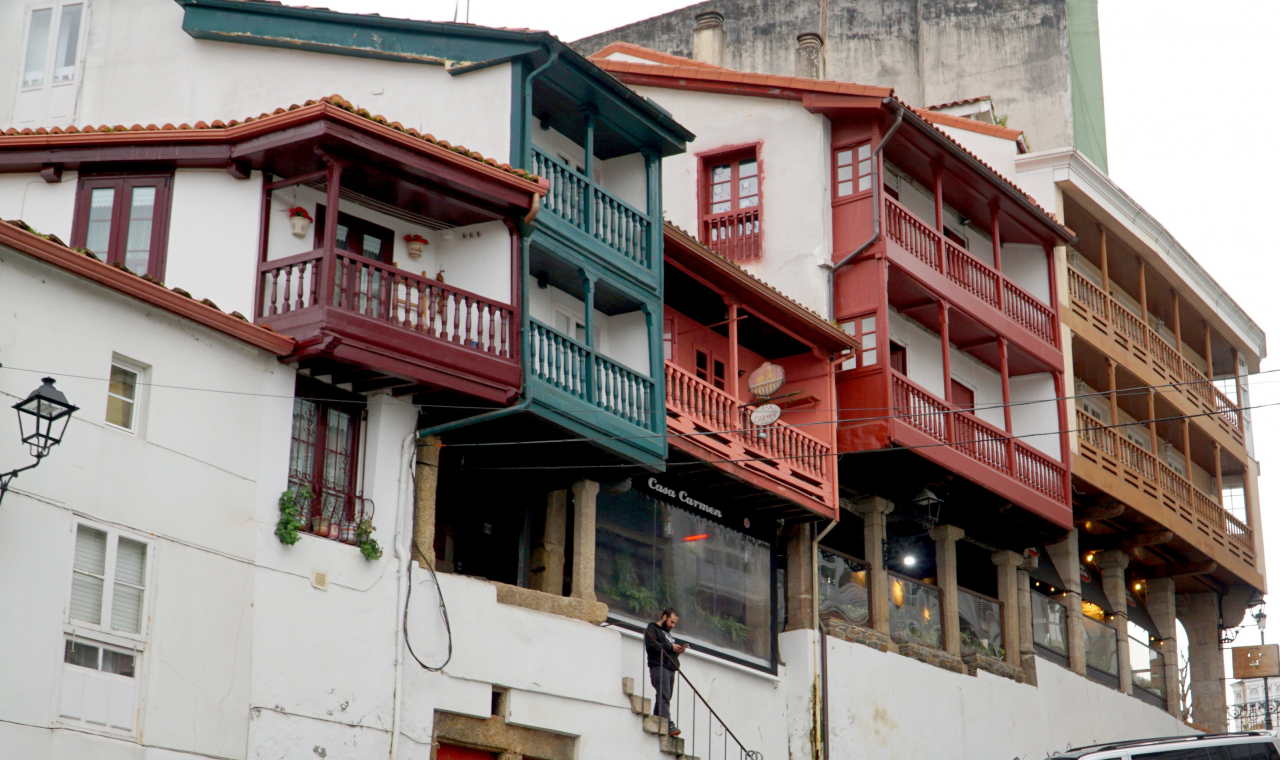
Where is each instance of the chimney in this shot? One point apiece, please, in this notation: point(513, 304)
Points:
point(811, 57)
point(708, 38)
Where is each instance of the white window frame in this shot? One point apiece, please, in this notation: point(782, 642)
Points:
point(137, 681)
point(55, 7)
point(102, 631)
point(140, 396)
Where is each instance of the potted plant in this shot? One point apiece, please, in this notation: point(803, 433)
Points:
point(417, 245)
point(300, 220)
point(365, 540)
point(293, 513)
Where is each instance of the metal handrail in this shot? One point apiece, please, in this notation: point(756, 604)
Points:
point(744, 753)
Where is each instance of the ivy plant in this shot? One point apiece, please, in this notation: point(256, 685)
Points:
point(291, 503)
point(368, 544)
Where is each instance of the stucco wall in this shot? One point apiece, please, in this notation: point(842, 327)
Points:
point(123, 84)
point(795, 205)
point(887, 706)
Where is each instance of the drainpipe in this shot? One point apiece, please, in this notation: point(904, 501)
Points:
point(875, 205)
point(822, 712)
point(527, 126)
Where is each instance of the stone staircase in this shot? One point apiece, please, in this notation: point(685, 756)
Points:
point(657, 726)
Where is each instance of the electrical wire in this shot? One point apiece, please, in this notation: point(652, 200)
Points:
point(840, 454)
point(408, 594)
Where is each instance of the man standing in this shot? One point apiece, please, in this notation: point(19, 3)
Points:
point(664, 660)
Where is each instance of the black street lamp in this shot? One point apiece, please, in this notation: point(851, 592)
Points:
point(1260, 617)
point(42, 421)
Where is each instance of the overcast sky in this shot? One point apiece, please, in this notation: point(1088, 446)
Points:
point(1187, 92)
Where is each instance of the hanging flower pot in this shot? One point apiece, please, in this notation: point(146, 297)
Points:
point(417, 245)
point(348, 533)
point(300, 220)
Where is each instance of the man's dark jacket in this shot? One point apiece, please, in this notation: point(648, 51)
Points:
point(656, 643)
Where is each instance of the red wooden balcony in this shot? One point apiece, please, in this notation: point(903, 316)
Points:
point(922, 245)
point(905, 414)
point(392, 322)
point(707, 418)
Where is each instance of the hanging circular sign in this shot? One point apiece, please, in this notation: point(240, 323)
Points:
point(766, 414)
point(766, 380)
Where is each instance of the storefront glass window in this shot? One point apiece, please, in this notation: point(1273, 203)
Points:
point(652, 554)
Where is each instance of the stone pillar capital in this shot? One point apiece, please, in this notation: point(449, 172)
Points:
point(1112, 559)
point(1007, 559)
point(586, 489)
point(868, 506)
point(946, 533)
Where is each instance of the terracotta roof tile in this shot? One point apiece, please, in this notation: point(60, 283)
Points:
point(960, 102)
point(336, 101)
point(50, 249)
point(973, 125)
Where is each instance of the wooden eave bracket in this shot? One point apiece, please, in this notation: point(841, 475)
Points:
point(827, 104)
point(51, 173)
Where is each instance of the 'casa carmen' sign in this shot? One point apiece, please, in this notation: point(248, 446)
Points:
point(766, 380)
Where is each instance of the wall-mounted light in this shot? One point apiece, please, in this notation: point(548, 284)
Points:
point(42, 420)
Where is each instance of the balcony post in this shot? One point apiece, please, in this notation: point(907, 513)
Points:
point(1007, 566)
point(945, 330)
point(329, 262)
point(995, 253)
point(584, 540)
point(1202, 620)
point(588, 320)
point(1208, 351)
point(1111, 391)
point(874, 512)
point(944, 553)
point(1142, 289)
point(653, 208)
point(1102, 253)
point(1235, 370)
point(656, 369)
point(1066, 560)
point(1217, 471)
point(1177, 323)
point(1162, 606)
point(1186, 446)
point(1151, 423)
point(1113, 563)
point(1064, 431)
point(937, 214)
point(588, 166)
point(731, 382)
point(1004, 394)
point(1026, 627)
point(1052, 256)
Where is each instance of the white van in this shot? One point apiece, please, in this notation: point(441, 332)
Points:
point(1250, 745)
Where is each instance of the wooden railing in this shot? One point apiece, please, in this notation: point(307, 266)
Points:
point(581, 203)
point(1142, 470)
point(977, 439)
point(734, 235)
point(581, 372)
point(386, 294)
point(715, 420)
point(964, 269)
point(1149, 347)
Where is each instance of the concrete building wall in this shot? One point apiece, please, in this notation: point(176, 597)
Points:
point(930, 51)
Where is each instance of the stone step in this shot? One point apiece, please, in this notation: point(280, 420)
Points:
point(640, 705)
point(628, 686)
point(672, 745)
point(656, 725)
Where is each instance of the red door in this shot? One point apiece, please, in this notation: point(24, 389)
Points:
point(450, 752)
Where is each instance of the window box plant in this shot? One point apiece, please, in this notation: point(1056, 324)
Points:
point(417, 245)
point(299, 220)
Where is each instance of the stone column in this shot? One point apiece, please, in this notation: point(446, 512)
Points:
point(1007, 566)
point(873, 510)
point(1066, 560)
point(1199, 616)
point(1026, 632)
point(944, 541)
point(426, 481)
point(584, 540)
point(800, 581)
point(1163, 610)
point(549, 554)
point(1113, 563)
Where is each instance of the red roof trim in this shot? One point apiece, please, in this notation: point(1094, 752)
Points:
point(648, 54)
point(86, 266)
point(734, 82)
point(959, 122)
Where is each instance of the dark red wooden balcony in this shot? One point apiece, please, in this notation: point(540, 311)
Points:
point(392, 323)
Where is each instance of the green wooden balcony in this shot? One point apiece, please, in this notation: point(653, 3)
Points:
point(584, 209)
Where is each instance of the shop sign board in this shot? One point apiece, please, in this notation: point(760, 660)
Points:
point(1256, 661)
